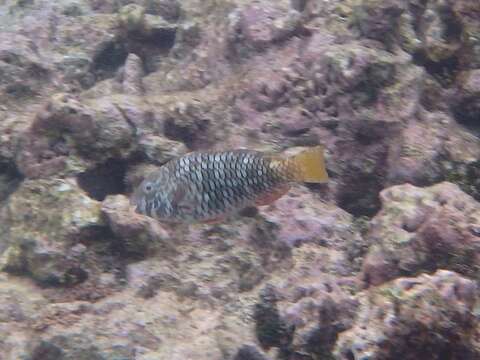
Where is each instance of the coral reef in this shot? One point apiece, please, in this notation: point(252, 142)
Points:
point(48, 244)
point(380, 263)
point(422, 229)
point(428, 316)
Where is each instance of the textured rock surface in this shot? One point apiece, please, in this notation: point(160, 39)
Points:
point(137, 235)
point(42, 229)
point(412, 318)
point(94, 94)
point(423, 229)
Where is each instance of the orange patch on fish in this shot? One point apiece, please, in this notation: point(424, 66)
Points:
point(272, 196)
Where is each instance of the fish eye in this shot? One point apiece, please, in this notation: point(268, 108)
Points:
point(148, 187)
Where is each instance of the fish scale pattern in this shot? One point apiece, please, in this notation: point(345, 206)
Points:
point(215, 183)
point(209, 186)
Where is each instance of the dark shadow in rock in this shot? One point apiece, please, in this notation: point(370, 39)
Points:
point(362, 197)
point(250, 211)
point(75, 276)
point(75, 346)
point(321, 339)
point(161, 39)
point(95, 234)
point(350, 356)
point(10, 179)
point(35, 77)
point(19, 90)
point(249, 352)
point(105, 179)
point(444, 71)
point(441, 346)
point(467, 177)
point(47, 351)
point(467, 113)
point(271, 330)
point(150, 47)
point(103, 243)
point(192, 133)
point(108, 59)
point(364, 162)
point(169, 10)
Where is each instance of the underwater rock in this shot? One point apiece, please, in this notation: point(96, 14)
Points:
point(187, 38)
point(329, 81)
point(439, 36)
point(25, 74)
point(312, 302)
point(314, 297)
point(467, 177)
point(430, 316)
point(249, 352)
point(370, 103)
point(168, 9)
point(391, 90)
point(70, 136)
point(131, 18)
point(77, 346)
point(132, 76)
point(432, 33)
point(9, 180)
point(11, 128)
point(441, 32)
point(296, 223)
point(134, 20)
point(361, 157)
point(148, 36)
point(466, 102)
point(270, 328)
point(159, 149)
point(137, 235)
point(129, 329)
point(191, 122)
point(261, 24)
point(379, 19)
point(319, 312)
point(416, 158)
point(149, 278)
point(467, 15)
point(431, 150)
point(104, 42)
point(351, 90)
point(371, 78)
point(20, 302)
point(422, 229)
point(96, 54)
point(39, 156)
point(42, 222)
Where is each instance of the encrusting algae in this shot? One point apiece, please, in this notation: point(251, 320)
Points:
point(209, 186)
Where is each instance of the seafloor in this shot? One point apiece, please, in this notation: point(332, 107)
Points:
point(381, 263)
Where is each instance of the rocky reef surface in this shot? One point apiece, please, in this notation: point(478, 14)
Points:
point(381, 263)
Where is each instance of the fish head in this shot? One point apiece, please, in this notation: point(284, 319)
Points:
point(146, 192)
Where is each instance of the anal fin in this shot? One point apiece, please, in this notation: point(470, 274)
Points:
point(271, 196)
point(215, 220)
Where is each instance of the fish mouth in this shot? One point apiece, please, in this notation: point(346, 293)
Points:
point(136, 204)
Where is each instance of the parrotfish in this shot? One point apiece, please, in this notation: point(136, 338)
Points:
point(210, 186)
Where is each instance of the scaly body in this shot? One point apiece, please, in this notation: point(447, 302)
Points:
point(209, 186)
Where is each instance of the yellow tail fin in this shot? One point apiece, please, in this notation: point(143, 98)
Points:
point(308, 166)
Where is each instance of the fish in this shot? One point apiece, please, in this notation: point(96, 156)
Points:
point(211, 186)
